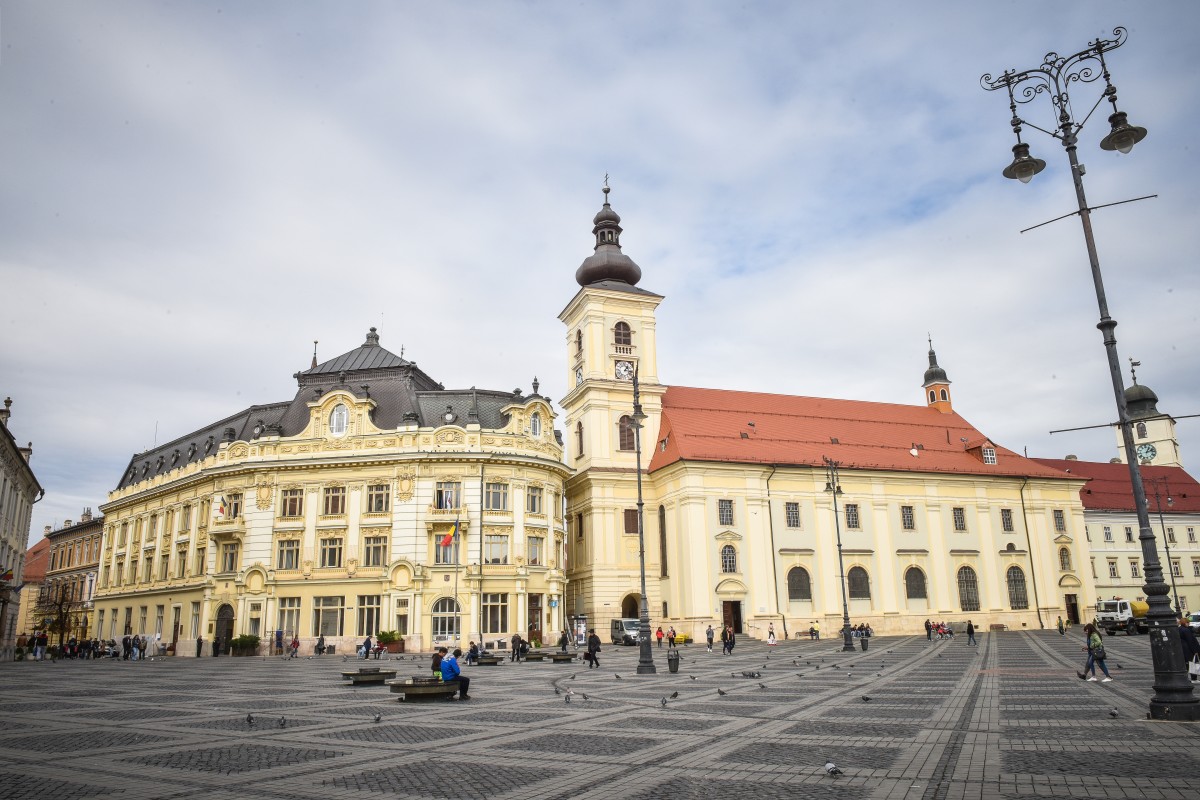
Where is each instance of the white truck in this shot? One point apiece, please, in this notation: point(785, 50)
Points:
point(1122, 615)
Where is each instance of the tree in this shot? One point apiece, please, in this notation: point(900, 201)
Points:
point(61, 606)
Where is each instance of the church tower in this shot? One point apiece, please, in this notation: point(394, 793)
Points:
point(610, 337)
point(937, 385)
point(1153, 431)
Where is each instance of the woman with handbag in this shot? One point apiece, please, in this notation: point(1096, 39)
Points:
point(1191, 648)
point(1096, 654)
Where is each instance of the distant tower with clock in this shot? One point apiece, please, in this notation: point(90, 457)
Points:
point(610, 334)
point(1153, 431)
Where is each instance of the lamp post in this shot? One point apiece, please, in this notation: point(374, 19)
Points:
point(1173, 698)
point(1166, 539)
point(645, 654)
point(835, 488)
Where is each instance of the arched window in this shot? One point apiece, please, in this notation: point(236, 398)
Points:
point(914, 584)
point(944, 395)
point(799, 584)
point(1064, 559)
point(859, 584)
point(728, 559)
point(578, 341)
point(968, 589)
point(338, 419)
point(1141, 430)
point(625, 433)
point(932, 396)
point(578, 439)
point(445, 617)
point(1018, 598)
point(622, 334)
point(535, 424)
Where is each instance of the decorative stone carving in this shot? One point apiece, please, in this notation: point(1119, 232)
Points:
point(239, 450)
point(405, 484)
point(264, 494)
point(449, 437)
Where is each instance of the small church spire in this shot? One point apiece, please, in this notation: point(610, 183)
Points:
point(936, 385)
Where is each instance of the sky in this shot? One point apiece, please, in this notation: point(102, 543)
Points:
point(193, 192)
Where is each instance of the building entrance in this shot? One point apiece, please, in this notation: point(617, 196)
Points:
point(1072, 603)
point(225, 626)
point(731, 614)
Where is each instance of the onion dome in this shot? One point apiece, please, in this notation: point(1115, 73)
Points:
point(1141, 402)
point(934, 374)
point(607, 263)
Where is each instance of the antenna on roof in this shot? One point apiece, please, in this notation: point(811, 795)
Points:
point(314, 353)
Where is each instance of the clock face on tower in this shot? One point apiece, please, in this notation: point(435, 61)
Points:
point(624, 371)
point(1146, 452)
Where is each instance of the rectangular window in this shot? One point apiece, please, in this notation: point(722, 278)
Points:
point(158, 620)
point(288, 619)
point(100, 622)
point(960, 519)
point(1191, 534)
point(533, 500)
point(164, 567)
point(1195, 568)
point(495, 613)
point(255, 619)
point(1171, 535)
point(1134, 569)
point(374, 549)
point(908, 520)
point(725, 512)
point(287, 554)
point(791, 512)
point(142, 619)
point(495, 549)
point(133, 571)
point(368, 614)
point(447, 494)
point(378, 498)
point(495, 496)
point(852, 520)
point(1060, 521)
point(331, 552)
point(445, 554)
point(185, 518)
point(123, 535)
point(229, 558)
point(335, 501)
point(1006, 520)
point(120, 573)
point(291, 503)
point(402, 616)
point(235, 505)
point(201, 561)
point(1093, 567)
point(1128, 533)
point(1112, 570)
point(989, 455)
point(329, 615)
point(631, 520)
point(153, 526)
point(579, 526)
point(1107, 534)
point(1176, 570)
point(537, 548)
point(106, 574)
point(181, 563)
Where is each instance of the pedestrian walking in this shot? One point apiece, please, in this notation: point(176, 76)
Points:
point(725, 640)
point(771, 633)
point(1062, 630)
point(708, 634)
point(216, 646)
point(929, 629)
point(731, 641)
point(659, 635)
point(563, 641)
point(1096, 655)
point(295, 647)
point(1189, 643)
point(136, 644)
point(671, 637)
point(593, 649)
point(971, 634)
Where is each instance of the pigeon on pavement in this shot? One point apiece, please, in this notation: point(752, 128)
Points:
point(866, 699)
point(664, 702)
point(282, 722)
point(249, 719)
point(721, 692)
point(832, 768)
point(618, 677)
point(567, 699)
point(377, 718)
point(674, 695)
point(557, 690)
point(1114, 713)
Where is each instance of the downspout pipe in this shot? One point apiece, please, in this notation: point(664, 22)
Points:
point(774, 555)
point(1029, 546)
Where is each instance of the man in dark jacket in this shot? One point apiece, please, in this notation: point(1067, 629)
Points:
point(929, 630)
point(593, 648)
point(1188, 641)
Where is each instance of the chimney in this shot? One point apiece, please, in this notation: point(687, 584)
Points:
point(6, 413)
point(86, 516)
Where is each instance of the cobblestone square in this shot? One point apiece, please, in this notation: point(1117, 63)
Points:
point(1005, 720)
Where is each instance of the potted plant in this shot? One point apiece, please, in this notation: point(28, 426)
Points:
point(245, 645)
point(392, 641)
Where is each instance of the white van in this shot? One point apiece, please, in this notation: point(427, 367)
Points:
point(624, 631)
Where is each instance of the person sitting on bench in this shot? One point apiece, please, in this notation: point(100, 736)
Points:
point(451, 672)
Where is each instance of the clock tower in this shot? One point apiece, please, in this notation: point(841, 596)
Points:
point(1153, 431)
point(610, 335)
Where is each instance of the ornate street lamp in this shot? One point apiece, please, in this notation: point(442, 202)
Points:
point(1155, 482)
point(645, 654)
point(1173, 698)
point(835, 488)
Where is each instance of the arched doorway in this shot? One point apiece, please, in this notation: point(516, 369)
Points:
point(631, 607)
point(225, 626)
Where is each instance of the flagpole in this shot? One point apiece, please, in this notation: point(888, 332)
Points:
point(457, 604)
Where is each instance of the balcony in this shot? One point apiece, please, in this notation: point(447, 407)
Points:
point(447, 513)
point(623, 349)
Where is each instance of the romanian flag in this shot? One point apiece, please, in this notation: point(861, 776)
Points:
point(449, 537)
point(7, 575)
point(221, 507)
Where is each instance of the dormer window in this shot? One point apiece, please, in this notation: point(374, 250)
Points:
point(622, 335)
point(339, 418)
point(989, 455)
point(535, 424)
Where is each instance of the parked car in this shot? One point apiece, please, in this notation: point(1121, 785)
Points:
point(1194, 621)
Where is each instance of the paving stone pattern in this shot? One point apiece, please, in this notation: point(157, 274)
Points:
point(1007, 719)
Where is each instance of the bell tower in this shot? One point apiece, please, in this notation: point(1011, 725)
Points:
point(1154, 436)
point(937, 385)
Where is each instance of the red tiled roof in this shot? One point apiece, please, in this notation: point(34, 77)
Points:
point(1110, 489)
point(37, 559)
point(708, 425)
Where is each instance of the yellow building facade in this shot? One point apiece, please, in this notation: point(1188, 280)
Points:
point(935, 520)
point(375, 500)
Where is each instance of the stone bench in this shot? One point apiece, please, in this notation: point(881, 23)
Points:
point(561, 658)
point(422, 689)
point(535, 655)
point(489, 661)
point(368, 676)
point(997, 626)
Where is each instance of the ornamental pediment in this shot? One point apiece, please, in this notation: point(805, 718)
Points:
point(728, 536)
point(1062, 538)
